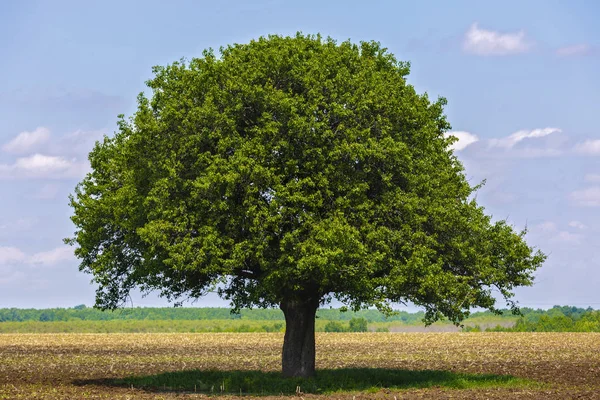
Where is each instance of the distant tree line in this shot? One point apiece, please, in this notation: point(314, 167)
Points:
point(83, 313)
point(556, 319)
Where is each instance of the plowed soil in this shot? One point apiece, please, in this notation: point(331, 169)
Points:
point(74, 366)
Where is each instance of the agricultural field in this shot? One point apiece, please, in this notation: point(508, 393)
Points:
point(350, 366)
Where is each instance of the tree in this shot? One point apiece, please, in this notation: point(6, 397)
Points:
point(358, 325)
point(334, 326)
point(288, 172)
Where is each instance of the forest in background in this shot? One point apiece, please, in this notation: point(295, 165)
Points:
point(188, 319)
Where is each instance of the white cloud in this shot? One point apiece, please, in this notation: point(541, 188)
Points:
point(574, 50)
point(13, 256)
point(26, 141)
point(589, 147)
point(547, 226)
point(58, 161)
point(484, 42)
point(511, 140)
point(41, 163)
point(577, 224)
point(42, 166)
point(554, 234)
point(567, 237)
point(464, 139)
point(595, 178)
point(589, 197)
point(53, 256)
point(17, 266)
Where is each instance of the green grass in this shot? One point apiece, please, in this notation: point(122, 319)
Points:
point(326, 381)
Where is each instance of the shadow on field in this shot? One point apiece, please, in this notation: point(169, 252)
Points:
point(325, 381)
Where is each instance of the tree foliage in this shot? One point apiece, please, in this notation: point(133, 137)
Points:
point(287, 169)
point(358, 325)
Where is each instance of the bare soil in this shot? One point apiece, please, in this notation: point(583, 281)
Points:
point(74, 366)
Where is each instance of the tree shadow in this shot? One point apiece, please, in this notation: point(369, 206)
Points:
point(325, 381)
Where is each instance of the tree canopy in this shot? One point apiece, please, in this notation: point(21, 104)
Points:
point(288, 172)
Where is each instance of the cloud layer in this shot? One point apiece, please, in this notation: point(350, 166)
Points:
point(26, 141)
point(577, 224)
point(589, 147)
point(589, 197)
point(574, 50)
point(554, 234)
point(464, 139)
point(14, 256)
point(492, 43)
point(42, 166)
point(511, 140)
point(59, 160)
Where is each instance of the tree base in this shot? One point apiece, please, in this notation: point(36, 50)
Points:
point(298, 355)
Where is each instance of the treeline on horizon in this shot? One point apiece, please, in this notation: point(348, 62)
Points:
point(83, 313)
point(557, 315)
point(556, 319)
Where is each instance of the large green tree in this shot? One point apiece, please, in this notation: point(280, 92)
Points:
point(287, 172)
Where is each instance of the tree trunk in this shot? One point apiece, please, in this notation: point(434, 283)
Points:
point(298, 356)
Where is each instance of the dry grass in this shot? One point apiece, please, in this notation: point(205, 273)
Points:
point(56, 366)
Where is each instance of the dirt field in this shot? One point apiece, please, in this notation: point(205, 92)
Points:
point(73, 366)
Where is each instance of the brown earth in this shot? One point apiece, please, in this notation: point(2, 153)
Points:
point(73, 366)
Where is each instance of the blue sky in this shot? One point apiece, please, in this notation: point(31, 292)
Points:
point(521, 79)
